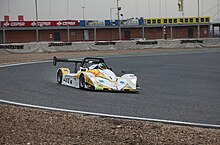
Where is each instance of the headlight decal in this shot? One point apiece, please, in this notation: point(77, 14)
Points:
point(134, 80)
point(122, 82)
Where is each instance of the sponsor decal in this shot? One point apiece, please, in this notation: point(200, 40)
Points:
point(95, 72)
point(101, 81)
point(59, 44)
point(146, 42)
point(40, 23)
point(105, 43)
point(17, 24)
point(68, 75)
point(68, 79)
point(11, 46)
point(122, 82)
point(191, 41)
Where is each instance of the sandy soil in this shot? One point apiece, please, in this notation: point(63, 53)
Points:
point(15, 58)
point(22, 125)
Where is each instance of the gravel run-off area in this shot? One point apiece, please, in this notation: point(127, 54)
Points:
point(23, 125)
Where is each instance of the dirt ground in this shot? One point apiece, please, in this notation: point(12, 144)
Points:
point(15, 58)
point(22, 125)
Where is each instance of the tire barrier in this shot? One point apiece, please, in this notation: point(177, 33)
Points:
point(105, 45)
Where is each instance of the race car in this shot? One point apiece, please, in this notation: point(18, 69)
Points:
point(93, 73)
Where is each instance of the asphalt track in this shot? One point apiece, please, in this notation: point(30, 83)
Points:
point(180, 87)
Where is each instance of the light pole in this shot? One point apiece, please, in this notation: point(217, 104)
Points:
point(68, 27)
point(198, 22)
point(83, 8)
point(36, 12)
point(83, 12)
point(143, 30)
point(111, 13)
point(8, 7)
point(165, 8)
point(159, 8)
point(218, 9)
point(95, 32)
point(149, 8)
point(119, 22)
point(202, 8)
point(136, 8)
point(50, 8)
point(3, 33)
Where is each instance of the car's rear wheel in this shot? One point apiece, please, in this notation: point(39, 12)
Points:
point(82, 82)
point(59, 76)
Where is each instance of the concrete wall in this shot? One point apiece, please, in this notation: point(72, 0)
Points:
point(102, 34)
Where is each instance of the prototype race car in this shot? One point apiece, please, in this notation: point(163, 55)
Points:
point(93, 73)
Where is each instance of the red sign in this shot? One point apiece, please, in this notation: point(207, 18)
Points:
point(6, 18)
point(20, 18)
point(40, 23)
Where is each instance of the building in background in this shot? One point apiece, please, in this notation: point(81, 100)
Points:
point(94, 30)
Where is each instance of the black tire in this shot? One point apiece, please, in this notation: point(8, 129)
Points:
point(82, 82)
point(59, 76)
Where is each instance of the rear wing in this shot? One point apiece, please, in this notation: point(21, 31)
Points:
point(85, 60)
point(55, 60)
point(82, 63)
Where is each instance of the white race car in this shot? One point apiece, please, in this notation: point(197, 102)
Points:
point(93, 73)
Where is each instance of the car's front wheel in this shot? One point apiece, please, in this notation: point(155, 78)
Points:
point(82, 82)
point(59, 76)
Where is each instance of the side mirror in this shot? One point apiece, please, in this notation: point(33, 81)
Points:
point(111, 69)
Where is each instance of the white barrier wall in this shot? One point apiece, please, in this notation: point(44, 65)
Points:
point(104, 45)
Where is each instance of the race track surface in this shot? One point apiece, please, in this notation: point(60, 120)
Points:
point(179, 87)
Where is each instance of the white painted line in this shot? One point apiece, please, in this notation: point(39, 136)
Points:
point(112, 56)
point(113, 116)
point(160, 54)
point(24, 63)
point(100, 114)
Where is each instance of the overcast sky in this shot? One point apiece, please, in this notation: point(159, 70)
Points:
point(100, 9)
